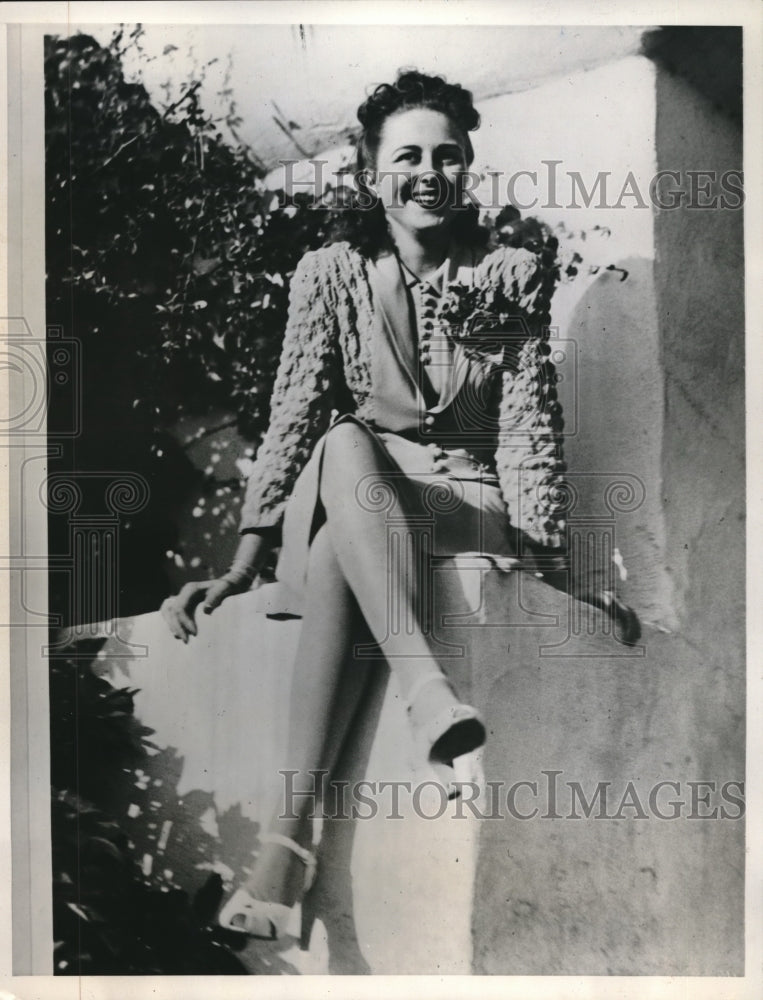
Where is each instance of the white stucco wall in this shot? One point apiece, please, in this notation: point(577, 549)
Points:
point(317, 75)
point(570, 130)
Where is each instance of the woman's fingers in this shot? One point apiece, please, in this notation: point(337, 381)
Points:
point(627, 624)
point(178, 611)
point(189, 597)
point(626, 621)
point(187, 622)
point(169, 614)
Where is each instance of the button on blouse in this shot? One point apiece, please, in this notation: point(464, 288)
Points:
point(426, 296)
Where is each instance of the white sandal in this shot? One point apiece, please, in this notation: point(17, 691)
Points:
point(258, 918)
point(452, 733)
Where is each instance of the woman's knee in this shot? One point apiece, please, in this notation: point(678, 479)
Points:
point(345, 444)
point(349, 453)
point(358, 474)
point(357, 468)
point(341, 463)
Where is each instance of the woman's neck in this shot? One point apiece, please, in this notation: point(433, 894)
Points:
point(421, 253)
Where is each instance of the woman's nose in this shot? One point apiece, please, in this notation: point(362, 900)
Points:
point(425, 166)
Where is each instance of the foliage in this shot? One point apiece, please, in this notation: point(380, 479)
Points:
point(107, 921)
point(168, 261)
point(91, 722)
point(109, 917)
point(164, 240)
point(511, 229)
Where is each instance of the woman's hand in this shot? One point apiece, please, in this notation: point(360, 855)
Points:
point(627, 626)
point(556, 572)
point(179, 611)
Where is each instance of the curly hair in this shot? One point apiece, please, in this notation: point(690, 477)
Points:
point(366, 227)
point(414, 90)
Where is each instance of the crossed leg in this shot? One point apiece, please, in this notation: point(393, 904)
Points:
point(346, 602)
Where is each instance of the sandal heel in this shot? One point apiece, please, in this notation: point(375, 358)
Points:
point(263, 919)
point(453, 733)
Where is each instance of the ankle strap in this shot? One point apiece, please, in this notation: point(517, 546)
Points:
point(415, 689)
point(307, 857)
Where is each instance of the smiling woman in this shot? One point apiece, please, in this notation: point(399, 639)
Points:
point(418, 183)
point(383, 417)
point(430, 168)
point(412, 159)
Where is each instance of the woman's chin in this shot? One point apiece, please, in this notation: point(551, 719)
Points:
point(417, 218)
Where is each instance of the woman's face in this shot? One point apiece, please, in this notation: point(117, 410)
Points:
point(422, 154)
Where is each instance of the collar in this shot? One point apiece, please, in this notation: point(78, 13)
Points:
point(445, 273)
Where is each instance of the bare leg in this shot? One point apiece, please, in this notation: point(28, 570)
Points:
point(326, 689)
point(353, 466)
point(346, 587)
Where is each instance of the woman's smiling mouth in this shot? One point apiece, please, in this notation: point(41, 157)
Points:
point(430, 198)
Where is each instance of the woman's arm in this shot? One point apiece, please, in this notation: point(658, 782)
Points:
point(301, 404)
point(303, 393)
point(529, 454)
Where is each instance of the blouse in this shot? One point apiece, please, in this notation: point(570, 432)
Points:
point(326, 366)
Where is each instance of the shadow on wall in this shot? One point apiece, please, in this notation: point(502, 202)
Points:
point(699, 281)
point(614, 408)
point(659, 393)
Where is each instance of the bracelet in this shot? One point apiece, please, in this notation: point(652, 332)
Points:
point(239, 574)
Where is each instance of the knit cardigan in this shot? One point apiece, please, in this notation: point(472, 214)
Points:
point(327, 348)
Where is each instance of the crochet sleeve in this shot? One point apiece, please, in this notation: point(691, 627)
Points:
point(529, 453)
point(303, 394)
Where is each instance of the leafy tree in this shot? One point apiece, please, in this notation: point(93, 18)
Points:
point(169, 261)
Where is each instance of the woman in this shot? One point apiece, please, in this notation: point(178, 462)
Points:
point(373, 404)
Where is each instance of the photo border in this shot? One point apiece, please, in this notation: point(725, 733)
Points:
point(25, 283)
